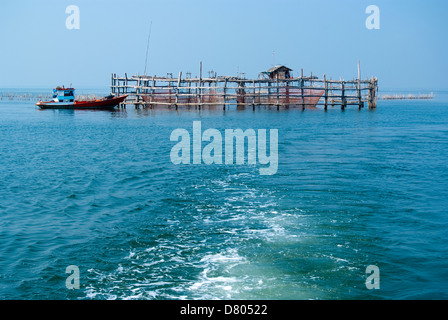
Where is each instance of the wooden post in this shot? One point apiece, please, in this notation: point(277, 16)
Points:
point(343, 102)
point(200, 85)
point(215, 92)
point(360, 103)
point(301, 88)
point(112, 84)
point(278, 93)
point(302, 93)
point(137, 92)
point(189, 90)
point(359, 71)
point(208, 91)
point(224, 94)
point(372, 94)
point(118, 85)
point(177, 89)
point(332, 94)
point(253, 95)
point(375, 90)
point(125, 83)
point(326, 93)
point(152, 91)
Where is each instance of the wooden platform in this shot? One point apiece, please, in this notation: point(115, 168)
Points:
point(302, 91)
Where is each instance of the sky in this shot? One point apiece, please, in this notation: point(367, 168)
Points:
point(407, 52)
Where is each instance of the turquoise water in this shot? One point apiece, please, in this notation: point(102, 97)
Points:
point(97, 190)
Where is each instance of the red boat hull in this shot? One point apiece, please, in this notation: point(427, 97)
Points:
point(105, 103)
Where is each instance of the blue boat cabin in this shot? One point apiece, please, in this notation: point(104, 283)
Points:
point(64, 95)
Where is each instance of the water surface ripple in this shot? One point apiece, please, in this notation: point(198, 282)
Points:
point(98, 190)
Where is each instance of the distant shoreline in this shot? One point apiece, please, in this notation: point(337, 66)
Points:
point(31, 95)
point(406, 96)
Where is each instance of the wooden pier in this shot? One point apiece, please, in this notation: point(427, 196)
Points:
point(274, 88)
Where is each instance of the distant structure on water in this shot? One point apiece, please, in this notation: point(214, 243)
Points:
point(408, 96)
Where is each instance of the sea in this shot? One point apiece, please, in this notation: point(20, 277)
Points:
point(93, 208)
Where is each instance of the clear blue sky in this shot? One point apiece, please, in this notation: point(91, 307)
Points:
point(37, 50)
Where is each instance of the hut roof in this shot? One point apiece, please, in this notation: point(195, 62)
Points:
point(277, 68)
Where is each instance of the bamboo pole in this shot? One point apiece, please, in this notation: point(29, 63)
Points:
point(278, 93)
point(253, 95)
point(360, 103)
point(112, 84)
point(302, 93)
point(200, 85)
point(326, 93)
point(224, 94)
point(177, 89)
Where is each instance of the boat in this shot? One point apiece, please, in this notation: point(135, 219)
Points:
point(64, 98)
